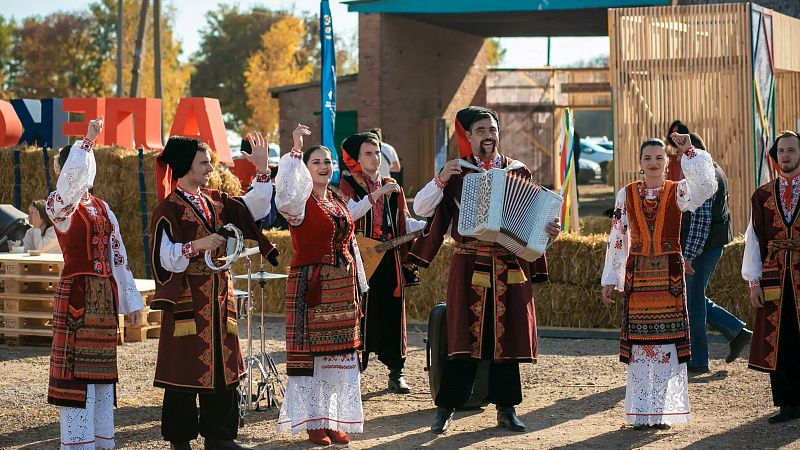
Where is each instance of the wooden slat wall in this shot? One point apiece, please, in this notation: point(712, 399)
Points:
point(787, 101)
point(582, 100)
point(690, 63)
point(786, 34)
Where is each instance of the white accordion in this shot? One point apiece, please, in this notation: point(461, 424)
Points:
point(502, 207)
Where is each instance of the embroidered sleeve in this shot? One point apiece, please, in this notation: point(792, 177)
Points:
point(751, 261)
point(292, 188)
point(76, 177)
point(699, 227)
point(618, 246)
point(129, 298)
point(174, 256)
point(428, 198)
point(700, 183)
point(259, 198)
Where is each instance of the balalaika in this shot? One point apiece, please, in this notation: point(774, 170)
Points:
point(513, 211)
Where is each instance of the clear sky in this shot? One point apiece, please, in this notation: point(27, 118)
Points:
point(190, 18)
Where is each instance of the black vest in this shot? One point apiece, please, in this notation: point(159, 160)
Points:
point(720, 232)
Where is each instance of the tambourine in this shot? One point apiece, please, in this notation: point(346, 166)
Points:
point(237, 251)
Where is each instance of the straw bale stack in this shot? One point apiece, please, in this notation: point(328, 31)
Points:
point(117, 182)
point(595, 225)
point(577, 260)
point(570, 299)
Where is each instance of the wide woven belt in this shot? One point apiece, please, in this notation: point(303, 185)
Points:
point(482, 248)
point(781, 245)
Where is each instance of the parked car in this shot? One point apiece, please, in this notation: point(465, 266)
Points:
point(602, 142)
point(598, 154)
point(588, 171)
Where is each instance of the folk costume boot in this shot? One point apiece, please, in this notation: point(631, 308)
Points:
point(319, 437)
point(785, 414)
point(397, 383)
point(442, 421)
point(179, 446)
point(338, 437)
point(507, 418)
point(218, 444)
point(738, 344)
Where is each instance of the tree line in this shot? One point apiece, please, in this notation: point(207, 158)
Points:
point(243, 52)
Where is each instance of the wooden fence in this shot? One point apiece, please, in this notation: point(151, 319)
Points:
point(690, 63)
point(696, 63)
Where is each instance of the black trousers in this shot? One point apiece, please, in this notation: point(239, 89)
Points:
point(458, 377)
point(383, 316)
point(785, 382)
point(218, 418)
point(458, 381)
point(219, 410)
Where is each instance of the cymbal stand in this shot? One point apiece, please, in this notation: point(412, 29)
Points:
point(270, 383)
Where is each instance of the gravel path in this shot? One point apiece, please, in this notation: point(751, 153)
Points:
point(572, 399)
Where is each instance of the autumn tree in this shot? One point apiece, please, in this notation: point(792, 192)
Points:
point(174, 75)
point(227, 41)
point(6, 36)
point(494, 52)
point(276, 63)
point(55, 57)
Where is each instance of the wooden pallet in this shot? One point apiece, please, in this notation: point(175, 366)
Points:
point(23, 340)
point(140, 333)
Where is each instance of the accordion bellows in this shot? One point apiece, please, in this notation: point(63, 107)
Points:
point(513, 211)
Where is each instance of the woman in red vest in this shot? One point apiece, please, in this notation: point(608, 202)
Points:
point(95, 285)
point(644, 261)
point(323, 293)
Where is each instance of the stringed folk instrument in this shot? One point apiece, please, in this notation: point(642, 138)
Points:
point(372, 250)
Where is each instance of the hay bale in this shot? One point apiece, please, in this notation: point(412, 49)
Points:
point(117, 182)
point(577, 259)
point(595, 225)
point(571, 299)
point(575, 306)
point(727, 288)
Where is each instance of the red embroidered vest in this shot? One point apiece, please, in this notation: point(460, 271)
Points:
point(660, 236)
point(313, 240)
point(85, 244)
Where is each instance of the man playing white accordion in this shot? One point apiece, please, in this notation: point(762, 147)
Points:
point(503, 329)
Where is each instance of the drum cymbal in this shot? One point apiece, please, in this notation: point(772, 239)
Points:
point(238, 293)
point(262, 276)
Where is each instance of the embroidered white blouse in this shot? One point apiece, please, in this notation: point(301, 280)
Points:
point(751, 261)
point(74, 181)
point(699, 185)
point(293, 187)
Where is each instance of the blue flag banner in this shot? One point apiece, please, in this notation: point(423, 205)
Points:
point(328, 86)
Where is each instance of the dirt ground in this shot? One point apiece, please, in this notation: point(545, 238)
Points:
point(573, 398)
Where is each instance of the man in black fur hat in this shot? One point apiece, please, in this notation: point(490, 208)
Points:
point(198, 350)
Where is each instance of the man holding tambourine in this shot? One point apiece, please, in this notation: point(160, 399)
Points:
point(198, 350)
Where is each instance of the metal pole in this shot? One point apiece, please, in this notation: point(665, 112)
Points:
point(120, 33)
point(548, 52)
point(139, 49)
point(249, 335)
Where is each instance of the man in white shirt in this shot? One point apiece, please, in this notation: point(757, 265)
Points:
point(390, 162)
